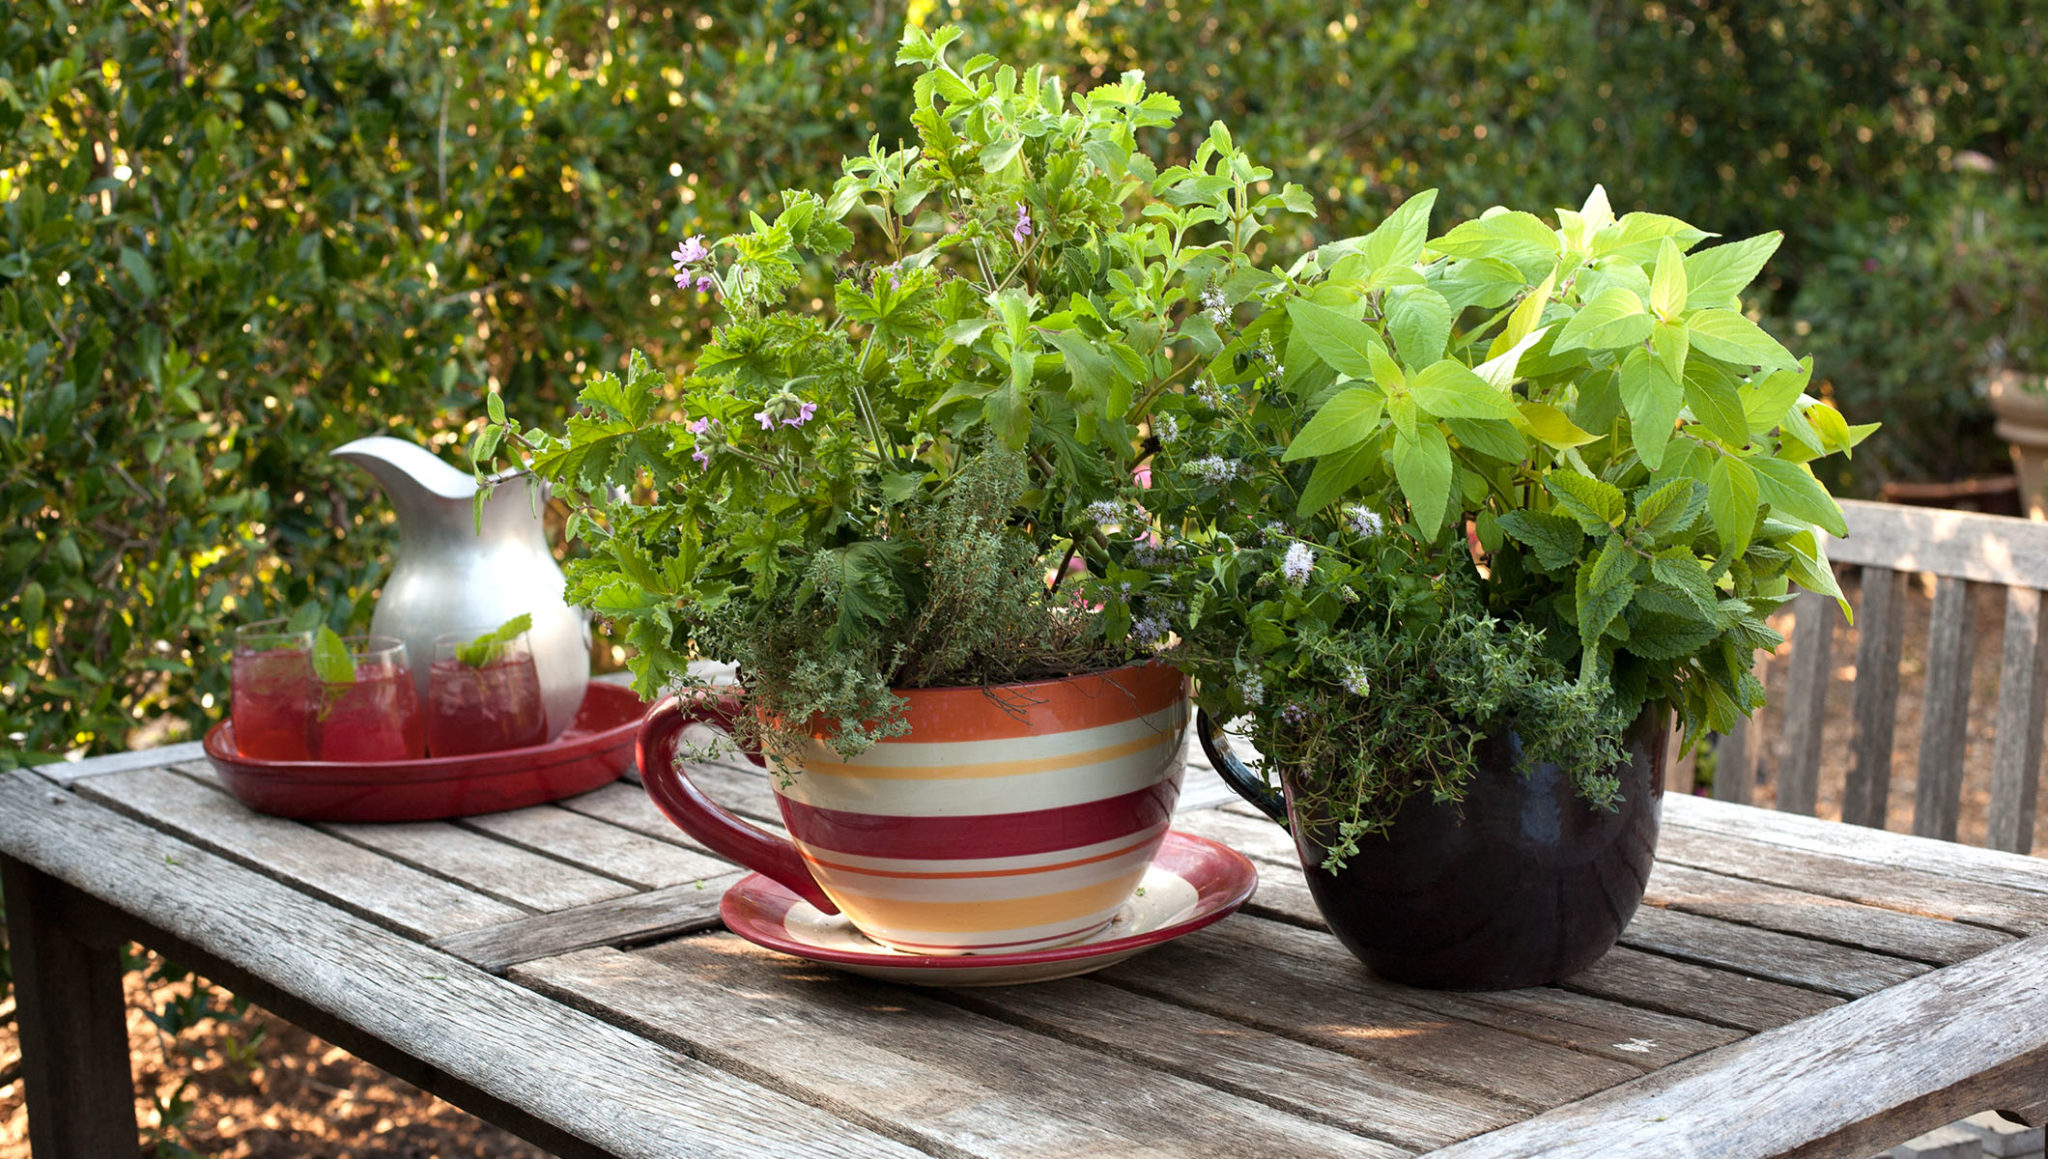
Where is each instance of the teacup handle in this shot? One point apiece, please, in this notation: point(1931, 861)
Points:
point(1235, 773)
point(698, 815)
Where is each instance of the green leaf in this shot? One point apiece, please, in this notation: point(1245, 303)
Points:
point(1657, 636)
point(1729, 336)
point(1500, 370)
point(1717, 402)
point(1419, 321)
point(489, 647)
point(1524, 319)
point(1422, 466)
point(138, 269)
point(1811, 570)
point(1090, 368)
point(1450, 389)
point(1344, 342)
point(1514, 236)
point(331, 661)
point(494, 405)
point(1766, 399)
point(1613, 318)
point(1597, 505)
point(1732, 503)
point(1398, 240)
point(1671, 507)
point(1343, 422)
point(1718, 276)
point(1555, 539)
point(1791, 489)
point(1336, 474)
point(1495, 438)
point(1598, 608)
point(1681, 570)
point(1614, 564)
point(1668, 344)
point(1667, 284)
point(1552, 427)
point(1653, 401)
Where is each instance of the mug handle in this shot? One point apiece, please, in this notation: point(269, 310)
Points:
point(1235, 773)
point(698, 815)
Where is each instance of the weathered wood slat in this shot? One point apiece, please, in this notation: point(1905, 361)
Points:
point(1856, 843)
point(1304, 1080)
point(2022, 692)
point(1874, 700)
point(1911, 891)
point(1808, 915)
point(1944, 728)
point(1830, 969)
point(1846, 1081)
point(1806, 693)
point(602, 848)
point(1722, 997)
point(912, 1066)
point(626, 921)
point(365, 883)
point(1993, 549)
point(1331, 1004)
point(605, 1090)
point(484, 864)
point(66, 772)
point(626, 805)
point(1737, 754)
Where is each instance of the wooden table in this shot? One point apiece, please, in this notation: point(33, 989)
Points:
point(1793, 986)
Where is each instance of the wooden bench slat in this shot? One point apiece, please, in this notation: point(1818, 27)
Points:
point(1806, 694)
point(1990, 549)
point(1874, 702)
point(1809, 915)
point(912, 1066)
point(632, 920)
point(484, 864)
point(1708, 993)
point(1828, 968)
point(1944, 729)
point(599, 847)
point(2022, 691)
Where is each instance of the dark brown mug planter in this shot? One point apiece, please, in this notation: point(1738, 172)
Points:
point(1521, 884)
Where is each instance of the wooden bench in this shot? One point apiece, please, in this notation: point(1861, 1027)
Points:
point(1887, 546)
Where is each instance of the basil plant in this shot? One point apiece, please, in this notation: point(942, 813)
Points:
point(1516, 475)
point(848, 496)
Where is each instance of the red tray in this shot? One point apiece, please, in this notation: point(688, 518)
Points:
point(594, 750)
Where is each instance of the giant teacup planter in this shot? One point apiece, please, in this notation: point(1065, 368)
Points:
point(1009, 819)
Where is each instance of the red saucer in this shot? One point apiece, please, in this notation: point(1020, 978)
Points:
point(594, 750)
point(1192, 883)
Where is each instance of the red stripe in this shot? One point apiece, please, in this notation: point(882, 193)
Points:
point(984, 835)
point(1040, 707)
point(979, 947)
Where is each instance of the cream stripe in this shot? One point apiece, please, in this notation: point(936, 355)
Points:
point(970, 797)
point(982, 864)
point(909, 753)
point(860, 890)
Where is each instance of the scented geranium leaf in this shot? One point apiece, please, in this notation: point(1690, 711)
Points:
point(1670, 508)
point(1090, 368)
point(1717, 276)
point(1450, 389)
point(1653, 401)
point(1341, 341)
point(1336, 474)
point(1729, 336)
point(1419, 321)
point(1555, 539)
point(1791, 489)
point(1494, 438)
point(1422, 466)
point(1613, 318)
point(1343, 422)
point(1732, 503)
point(1398, 240)
point(1716, 401)
point(1552, 427)
point(1597, 505)
point(1598, 608)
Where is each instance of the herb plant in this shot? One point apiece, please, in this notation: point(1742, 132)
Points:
point(1519, 475)
point(848, 498)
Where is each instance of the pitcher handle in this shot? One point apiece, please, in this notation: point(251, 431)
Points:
point(1235, 773)
point(698, 815)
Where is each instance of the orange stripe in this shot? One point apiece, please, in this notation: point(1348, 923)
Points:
point(976, 917)
point(1019, 872)
point(813, 766)
point(1009, 711)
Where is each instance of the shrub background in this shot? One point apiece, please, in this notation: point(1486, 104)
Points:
point(230, 243)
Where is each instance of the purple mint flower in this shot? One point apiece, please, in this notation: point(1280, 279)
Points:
point(699, 427)
point(692, 250)
point(1294, 714)
point(682, 279)
point(1023, 229)
point(766, 420)
point(704, 283)
point(702, 456)
point(803, 415)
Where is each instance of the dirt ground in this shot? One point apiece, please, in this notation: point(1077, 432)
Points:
point(305, 1099)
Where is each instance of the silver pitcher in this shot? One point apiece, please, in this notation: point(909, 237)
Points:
point(453, 577)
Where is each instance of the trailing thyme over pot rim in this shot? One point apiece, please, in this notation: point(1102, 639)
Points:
point(1519, 476)
point(891, 491)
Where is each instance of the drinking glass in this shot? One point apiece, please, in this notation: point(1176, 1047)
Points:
point(483, 702)
point(373, 717)
point(270, 690)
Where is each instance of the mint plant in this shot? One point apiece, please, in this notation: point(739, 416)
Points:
point(845, 498)
point(1518, 475)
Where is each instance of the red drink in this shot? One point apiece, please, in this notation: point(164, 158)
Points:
point(485, 709)
point(375, 717)
point(269, 698)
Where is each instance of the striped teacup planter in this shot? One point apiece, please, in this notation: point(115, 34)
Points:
point(1008, 819)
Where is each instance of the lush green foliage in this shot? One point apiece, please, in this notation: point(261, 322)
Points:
point(1514, 475)
point(1047, 284)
